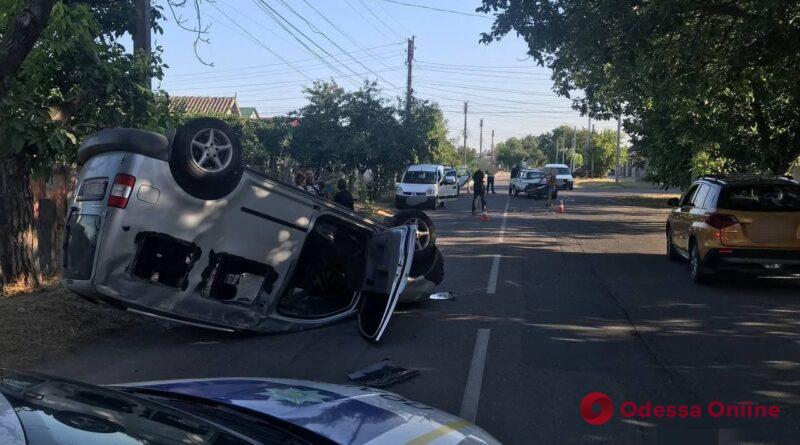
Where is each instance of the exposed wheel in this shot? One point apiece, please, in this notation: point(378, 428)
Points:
point(672, 254)
point(206, 158)
point(516, 191)
point(699, 270)
point(571, 186)
point(426, 233)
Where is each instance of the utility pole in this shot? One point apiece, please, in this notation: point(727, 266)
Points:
point(586, 148)
point(409, 90)
point(491, 151)
point(465, 134)
point(616, 169)
point(591, 153)
point(556, 160)
point(141, 36)
point(572, 158)
point(480, 144)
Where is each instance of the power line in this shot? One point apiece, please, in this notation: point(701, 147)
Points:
point(378, 18)
point(278, 64)
point(259, 42)
point(474, 74)
point(315, 29)
point(413, 5)
point(369, 22)
point(391, 16)
point(271, 84)
point(272, 13)
point(427, 81)
point(250, 75)
point(342, 32)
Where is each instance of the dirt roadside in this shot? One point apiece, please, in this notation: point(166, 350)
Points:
point(40, 325)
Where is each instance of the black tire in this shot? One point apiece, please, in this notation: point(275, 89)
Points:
point(672, 254)
point(426, 245)
point(571, 186)
point(435, 205)
point(697, 268)
point(218, 170)
point(516, 191)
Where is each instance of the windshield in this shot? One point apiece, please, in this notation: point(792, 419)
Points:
point(761, 198)
point(419, 177)
point(561, 171)
point(533, 175)
point(56, 412)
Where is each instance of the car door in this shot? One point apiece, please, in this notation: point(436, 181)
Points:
point(681, 220)
point(448, 187)
point(389, 258)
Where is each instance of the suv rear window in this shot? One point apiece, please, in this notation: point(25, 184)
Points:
point(761, 198)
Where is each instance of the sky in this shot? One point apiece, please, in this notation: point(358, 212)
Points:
point(256, 56)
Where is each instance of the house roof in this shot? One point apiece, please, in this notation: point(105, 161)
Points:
point(205, 104)
point(249, 112)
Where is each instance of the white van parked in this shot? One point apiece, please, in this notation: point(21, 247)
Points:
point(564, 179)
point(426, 185)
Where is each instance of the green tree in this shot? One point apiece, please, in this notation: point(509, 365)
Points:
point(514, 151)
point(75, 78)
point(698, 80)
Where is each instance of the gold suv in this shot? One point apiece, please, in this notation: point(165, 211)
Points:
point(742, 223)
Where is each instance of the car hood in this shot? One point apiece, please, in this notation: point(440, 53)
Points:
point(346, 414)
point(416, 188)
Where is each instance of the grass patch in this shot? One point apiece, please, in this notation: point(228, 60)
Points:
point(377, 210)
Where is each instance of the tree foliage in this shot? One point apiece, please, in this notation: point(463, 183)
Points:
point(699, 80)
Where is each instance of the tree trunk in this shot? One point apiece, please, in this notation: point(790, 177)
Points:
point(17, 231)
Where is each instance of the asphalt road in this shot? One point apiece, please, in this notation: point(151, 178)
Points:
point(549, 307)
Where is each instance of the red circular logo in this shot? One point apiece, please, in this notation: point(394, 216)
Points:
point(596, 417)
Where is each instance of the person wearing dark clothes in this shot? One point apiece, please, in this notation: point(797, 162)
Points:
point(490, 180)
point(514, 172)
point(478, 190)
point(343, 196)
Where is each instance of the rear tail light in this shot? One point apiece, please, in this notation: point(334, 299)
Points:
point(121, 190)
point(720, 221)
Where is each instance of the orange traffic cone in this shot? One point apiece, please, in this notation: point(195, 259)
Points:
point(484, 216)
point(560, 208)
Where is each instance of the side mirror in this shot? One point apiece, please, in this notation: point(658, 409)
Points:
point(673, 202)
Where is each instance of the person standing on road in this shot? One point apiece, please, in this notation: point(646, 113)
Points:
point(551, 188)
point(478, 190)
point(514, 172)
point(490, 179)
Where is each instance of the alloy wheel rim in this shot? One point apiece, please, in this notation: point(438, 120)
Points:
point(423, 232)
point(211, 150)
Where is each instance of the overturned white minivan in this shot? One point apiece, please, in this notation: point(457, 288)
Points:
point(176, 227)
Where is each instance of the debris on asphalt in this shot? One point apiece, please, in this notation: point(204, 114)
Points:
point(382, 374)
point(442, 296)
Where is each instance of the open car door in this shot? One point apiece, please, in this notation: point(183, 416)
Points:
point(448, 188)
point(390, 254)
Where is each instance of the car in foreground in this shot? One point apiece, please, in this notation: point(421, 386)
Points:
point(564, 179)
point(176, 227)
point(43, 410)
point(742, 223)
point(532, 183)
point(426, 185)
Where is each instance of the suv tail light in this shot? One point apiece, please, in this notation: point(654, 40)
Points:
point(121, 190)
point(720, 220)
